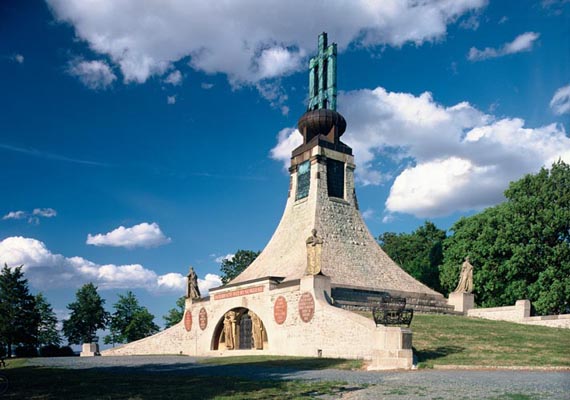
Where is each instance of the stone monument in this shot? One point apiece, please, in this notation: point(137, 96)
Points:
point(90, 349)
point(297, 298)
point(462, 298)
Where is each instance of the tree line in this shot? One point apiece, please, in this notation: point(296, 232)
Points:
point(520, 248)
point(29, 324)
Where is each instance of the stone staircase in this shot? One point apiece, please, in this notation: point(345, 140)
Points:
point(364, 300)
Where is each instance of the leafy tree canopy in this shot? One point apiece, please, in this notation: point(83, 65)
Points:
point(18, 315)
point(234, 266)
point(419, 253)
point(174, 315)
point(130, 321)
point(48, 334)
point(87, 315)
point(520, 249)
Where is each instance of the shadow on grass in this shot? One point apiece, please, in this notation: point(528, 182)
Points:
point(293, 363)
point(431, 354)
point(144, 383)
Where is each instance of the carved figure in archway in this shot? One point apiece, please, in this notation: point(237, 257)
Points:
point(314, 249)
point(257, 331)
point(465, 284)
point(229, 330)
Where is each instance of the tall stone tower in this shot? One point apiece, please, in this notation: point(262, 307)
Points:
point(322, 262)
point(322, 197)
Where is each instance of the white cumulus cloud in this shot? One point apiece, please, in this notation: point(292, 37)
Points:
point(141, 235)
point(249, 40)
point(560, 102)
point(210, 281)
point(450, 158)
point(46, 270)
point(171, 99)
point(93, 74)
point(523, 42)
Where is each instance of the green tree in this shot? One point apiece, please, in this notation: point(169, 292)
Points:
point(174, 315)
point(233, 266)
point(130, 321)
point(47, 327)
point(87, 315)
point(18, 315)
point(520, 249)
point(419, 253)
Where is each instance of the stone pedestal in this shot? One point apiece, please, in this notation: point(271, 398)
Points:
point(90, 350)
point(462, 302)
point(393, 349)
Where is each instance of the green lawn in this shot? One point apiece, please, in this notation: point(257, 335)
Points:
point(50, 384)
point(452, 340)
point(438, 340)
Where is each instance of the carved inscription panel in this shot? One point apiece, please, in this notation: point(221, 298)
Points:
point(306, 307)
point(280, 310)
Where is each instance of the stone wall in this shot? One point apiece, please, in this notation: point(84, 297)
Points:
point(330, 332)
point(169, 341)
point(520, 313)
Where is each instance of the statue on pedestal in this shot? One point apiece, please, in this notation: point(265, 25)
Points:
point(465, 284)
point(192, 290)
point(314, 249)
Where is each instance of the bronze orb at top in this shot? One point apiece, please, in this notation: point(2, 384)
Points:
point(320, 122)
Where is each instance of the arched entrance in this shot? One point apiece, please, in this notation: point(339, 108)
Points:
point(239, 329)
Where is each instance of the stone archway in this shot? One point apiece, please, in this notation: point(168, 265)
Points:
point(239, 329)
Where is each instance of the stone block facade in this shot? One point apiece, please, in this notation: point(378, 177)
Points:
point(310, 326)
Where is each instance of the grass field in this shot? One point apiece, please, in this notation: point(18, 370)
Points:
point(451, 340)
point(438, 340)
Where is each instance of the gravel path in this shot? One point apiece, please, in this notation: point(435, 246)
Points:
point(422, 384)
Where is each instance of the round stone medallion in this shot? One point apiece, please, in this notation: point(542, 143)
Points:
point(306, 307)
point(188, 321)
point(280, 310)
point(203, 318)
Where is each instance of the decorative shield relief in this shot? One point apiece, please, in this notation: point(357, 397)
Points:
point(203, 318)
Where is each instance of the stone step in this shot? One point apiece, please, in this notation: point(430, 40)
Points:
point(355, 299)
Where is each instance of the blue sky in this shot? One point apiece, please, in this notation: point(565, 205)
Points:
point(175, 121)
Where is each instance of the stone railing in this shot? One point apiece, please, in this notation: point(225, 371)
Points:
point(520, 313)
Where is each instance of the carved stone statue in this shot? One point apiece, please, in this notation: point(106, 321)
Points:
point(229, 330)
point(314, 250)
point(257, 331)
point(465, 284)
point(192, 290)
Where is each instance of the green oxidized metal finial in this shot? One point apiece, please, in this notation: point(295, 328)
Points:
point(322, 77)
